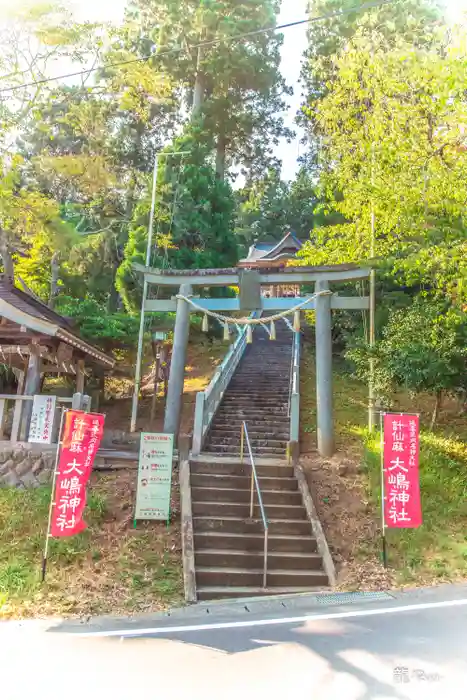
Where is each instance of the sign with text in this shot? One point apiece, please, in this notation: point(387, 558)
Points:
point(402, 506)
point(42, 419)
point(81, 437)
point(154, 477)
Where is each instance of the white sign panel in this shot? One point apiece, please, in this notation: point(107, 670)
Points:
point(154, 477)
point(42, 419)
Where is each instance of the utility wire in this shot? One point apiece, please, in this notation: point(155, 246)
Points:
point(203, 44)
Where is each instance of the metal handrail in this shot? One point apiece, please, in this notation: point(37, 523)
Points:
point(208, 401)
point(254, 482)
point(294, 390)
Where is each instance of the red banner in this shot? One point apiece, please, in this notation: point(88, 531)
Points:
point(82, 433)
point(402, 506)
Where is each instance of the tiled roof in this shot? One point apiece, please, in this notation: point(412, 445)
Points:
point(272, 251)
point(29, 305)
point(16, 300)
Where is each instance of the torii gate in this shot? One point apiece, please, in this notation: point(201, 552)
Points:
point(249, 283)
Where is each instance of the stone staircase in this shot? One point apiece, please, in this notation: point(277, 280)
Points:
point(228, 544)
point(259, 395)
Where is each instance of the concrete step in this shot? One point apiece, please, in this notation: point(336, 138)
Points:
point(224, 495)
point(269, 380)
point(254, 434)
point(232, 592)
point(254, 442)
point(231, 451)
point(231, 524)
point(236, 416)
point(255, 408)
point(239, 483)
point(219, 576)
point(254, 413)
point(273, 380)
point(255, 401)
point(242, 510)
point(255, 542)
point(235, 424)
point(238, 469)
point(261, 401)
point(244, 559)
point(256, 393)
point(265, 366)
point(250, 401)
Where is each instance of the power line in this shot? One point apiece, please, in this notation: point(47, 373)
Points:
point(203, 44)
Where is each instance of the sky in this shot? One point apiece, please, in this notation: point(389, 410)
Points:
point(295, 43)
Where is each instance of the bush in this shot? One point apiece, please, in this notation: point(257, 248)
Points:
point(423, 348)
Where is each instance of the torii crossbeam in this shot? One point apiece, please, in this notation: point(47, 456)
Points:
point(249, 283)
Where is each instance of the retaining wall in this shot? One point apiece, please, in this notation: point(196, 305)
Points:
point(24, 466)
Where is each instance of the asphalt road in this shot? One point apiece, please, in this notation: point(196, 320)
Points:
point(411, 645)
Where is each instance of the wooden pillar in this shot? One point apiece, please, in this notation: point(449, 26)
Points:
point(18, 407)
point(31, 386)
point(80, 377)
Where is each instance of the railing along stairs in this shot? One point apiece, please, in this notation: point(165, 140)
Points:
point(294, 393)
point(208, 401)
point(255, 484)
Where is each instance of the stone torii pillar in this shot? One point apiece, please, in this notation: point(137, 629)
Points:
point(325, 423)
point(173, 406)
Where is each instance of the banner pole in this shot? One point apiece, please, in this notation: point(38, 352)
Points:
point(383, 522)
point(52, 496)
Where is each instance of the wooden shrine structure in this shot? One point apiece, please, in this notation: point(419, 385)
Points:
point(36, 341)
point(274, 256)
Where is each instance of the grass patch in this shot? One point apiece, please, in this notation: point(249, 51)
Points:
point(109, 568)
point(437, 551)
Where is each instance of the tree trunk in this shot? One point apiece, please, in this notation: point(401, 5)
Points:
point(157, 370)
point(437, 408)
point(114, 296)
point(199, 90)
point(55, 270)
point(8, 267)
point(220, 157)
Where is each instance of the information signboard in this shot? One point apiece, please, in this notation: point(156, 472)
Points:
point(42, 419)
point(154, 477)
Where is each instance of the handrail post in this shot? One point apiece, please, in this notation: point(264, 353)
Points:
point(265, 564)
point(252, 493)
point(255, 482)
point(242, 438)
point(198, 422)
point(294, 395)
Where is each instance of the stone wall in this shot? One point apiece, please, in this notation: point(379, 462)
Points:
point(23, 467)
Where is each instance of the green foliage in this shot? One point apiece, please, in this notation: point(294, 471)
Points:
point(242, 88)
point(423, 349)
point(394, 147)
point(193, 219)
point(95, 323)
point(268, 208)
point(31, 228)
point(411, 20)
